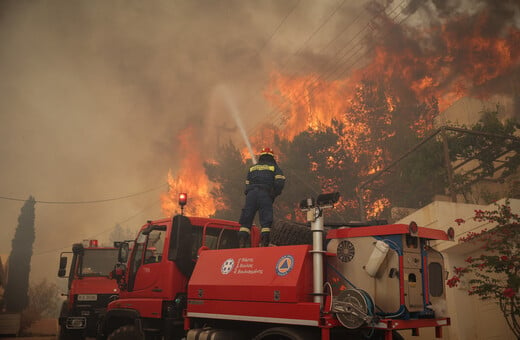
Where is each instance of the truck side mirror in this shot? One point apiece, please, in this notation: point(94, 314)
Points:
point(63, 266)
point(122, 255)
point(77, 249)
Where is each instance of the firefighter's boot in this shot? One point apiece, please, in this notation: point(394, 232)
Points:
point(264, 239)
point(243, 239)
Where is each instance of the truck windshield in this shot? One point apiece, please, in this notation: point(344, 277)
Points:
point(97, 262)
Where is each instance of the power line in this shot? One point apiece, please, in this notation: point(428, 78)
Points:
point(102, 232)
point(279, 26)
point(87, 202)
point(275, 114)
point(318, 29)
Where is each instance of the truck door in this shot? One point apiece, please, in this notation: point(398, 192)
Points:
point(144, 271)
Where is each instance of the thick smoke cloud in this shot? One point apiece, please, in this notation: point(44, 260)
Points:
point(94, 92)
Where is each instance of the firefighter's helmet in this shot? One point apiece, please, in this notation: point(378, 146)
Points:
point(266, 151)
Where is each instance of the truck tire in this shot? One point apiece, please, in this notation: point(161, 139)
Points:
point(286, 333)
point(126, 332)
point(286, 233)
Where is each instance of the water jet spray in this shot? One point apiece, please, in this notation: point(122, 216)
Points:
point(226, 94)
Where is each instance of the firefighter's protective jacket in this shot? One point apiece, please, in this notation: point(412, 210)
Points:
point(267, 175)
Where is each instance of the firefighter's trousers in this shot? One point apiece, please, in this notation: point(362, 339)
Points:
point(257, 200)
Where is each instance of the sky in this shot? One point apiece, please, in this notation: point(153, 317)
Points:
point(94, 92)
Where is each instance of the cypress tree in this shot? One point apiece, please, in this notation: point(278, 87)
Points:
point(16, 290)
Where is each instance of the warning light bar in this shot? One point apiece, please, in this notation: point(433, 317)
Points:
point(90, 243)
point(183, 199)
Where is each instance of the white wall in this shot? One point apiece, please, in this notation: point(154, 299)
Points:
point(471, 318)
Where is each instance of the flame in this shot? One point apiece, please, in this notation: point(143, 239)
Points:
point(399, 79)
point(191, 179)
point(408, 82)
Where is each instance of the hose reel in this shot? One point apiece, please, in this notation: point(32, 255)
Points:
point(354, 308)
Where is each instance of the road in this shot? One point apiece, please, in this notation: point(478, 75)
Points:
point(47, 337)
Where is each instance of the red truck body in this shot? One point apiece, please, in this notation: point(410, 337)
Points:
point(369, 281)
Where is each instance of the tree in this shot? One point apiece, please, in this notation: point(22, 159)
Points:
point(496, 273)
point(16, 290)
point(484, 150)
point(120, 234)
point(44, 301)
point(228, 172)
point(496, 157)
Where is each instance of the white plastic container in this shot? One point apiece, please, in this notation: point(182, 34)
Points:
point(376, 258)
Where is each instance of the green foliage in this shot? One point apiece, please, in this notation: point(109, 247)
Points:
point(496, 273)
point(313, 163)
point(418, 177)
point(486, 147)
point(422, 174)
point(44, 301)
point(15, 295)
point(321, 160)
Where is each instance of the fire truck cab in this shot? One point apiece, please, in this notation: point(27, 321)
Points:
point(89, 288)
point(154, 277)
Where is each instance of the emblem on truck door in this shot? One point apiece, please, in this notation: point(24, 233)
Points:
point(284, 265)
point(227, 266)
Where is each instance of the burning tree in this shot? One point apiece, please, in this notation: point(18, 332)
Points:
point(337, 128)
point(496, 273)
point(314, 162)
point(229, 171)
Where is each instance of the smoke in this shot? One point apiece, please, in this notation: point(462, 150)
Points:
point(94, 92)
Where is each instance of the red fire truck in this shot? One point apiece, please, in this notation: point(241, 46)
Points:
point(353, 282)
point(90, 288)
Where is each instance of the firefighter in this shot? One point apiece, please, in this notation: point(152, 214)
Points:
point(265, 181)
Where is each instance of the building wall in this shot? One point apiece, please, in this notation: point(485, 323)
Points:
point(471, 318)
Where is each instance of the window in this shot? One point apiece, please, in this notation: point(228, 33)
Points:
point(138, 254)
point(221, 238)
point(155, 246)
point(98, 262)
point(228, 239)
point(435, 279)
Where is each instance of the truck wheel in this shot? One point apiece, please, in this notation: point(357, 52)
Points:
point(126, 332)
point(286, 333)
point(285, 233)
